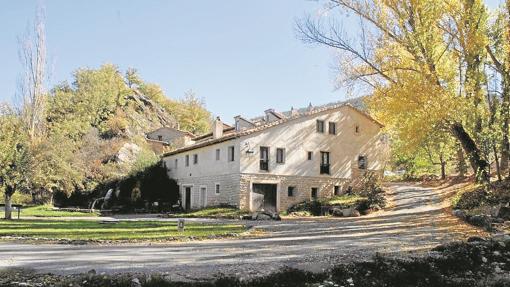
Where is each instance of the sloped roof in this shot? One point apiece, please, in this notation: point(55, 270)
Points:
point(174, 129)
point(234, 134)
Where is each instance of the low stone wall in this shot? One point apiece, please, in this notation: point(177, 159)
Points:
point(302, 192)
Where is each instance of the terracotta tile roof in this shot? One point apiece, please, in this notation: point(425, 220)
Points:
point(233, 135)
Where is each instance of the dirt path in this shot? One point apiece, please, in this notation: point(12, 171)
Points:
point(416, 221)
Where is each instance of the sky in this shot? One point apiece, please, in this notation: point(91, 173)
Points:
point(240, 57)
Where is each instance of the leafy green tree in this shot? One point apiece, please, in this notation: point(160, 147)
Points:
point(13, 156)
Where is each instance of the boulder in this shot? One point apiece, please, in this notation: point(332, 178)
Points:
point(337, 212)
point(128, 153)
point(481, 221)
point(503, 212)
point(350, 212)
point(459, 213)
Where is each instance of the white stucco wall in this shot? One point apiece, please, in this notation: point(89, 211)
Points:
point(299, 136)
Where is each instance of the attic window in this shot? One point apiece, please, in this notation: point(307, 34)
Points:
point(160, 138)
point(356, 129)
point(320, 126)
point(332, 128)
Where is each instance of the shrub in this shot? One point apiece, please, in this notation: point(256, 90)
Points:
point(370, 188)
point(471, 199)
point(313, 207)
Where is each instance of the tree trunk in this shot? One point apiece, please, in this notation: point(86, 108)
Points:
point(443, 170)
point(505, 115)
point(496, 159)
point(478, 164)
point(461, 162)
point(8, 207)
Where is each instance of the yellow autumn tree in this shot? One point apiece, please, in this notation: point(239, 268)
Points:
point(422, 61)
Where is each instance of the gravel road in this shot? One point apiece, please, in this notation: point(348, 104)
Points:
point(416, 221)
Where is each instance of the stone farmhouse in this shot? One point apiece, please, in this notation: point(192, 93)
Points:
point(273, 162)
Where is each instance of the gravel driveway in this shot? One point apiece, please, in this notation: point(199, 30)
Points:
point(416, 221)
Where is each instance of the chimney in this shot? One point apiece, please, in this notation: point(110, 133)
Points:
point(293, 112)
point(217, 128)
point(268, 114)
point(237, 123)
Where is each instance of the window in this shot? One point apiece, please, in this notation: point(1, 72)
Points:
point(217, 188)
point(291, 191)
point(186, 160)
point(356, 129)
point(176, 163)
point(320, 126)
point(332, 128)
point(310, 155)
point(217, 154)
point(362, 162)
point(280, 155)
point(264, 158)
point(231, 153)
point(195, 158)
point(324, 162)
point(160, 138)
point(315, 193)
point(337, 190)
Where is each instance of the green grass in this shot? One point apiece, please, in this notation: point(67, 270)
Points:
point(47, 211)
point(344, 200)
point(124, 230)
point(212, 212)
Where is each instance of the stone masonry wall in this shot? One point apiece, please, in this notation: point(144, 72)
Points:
point(229, 189)
point(302, 192)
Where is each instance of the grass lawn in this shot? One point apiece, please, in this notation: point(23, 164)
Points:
point(47, 211)
point(124, 230)
point(344, 200)
point(212, 212)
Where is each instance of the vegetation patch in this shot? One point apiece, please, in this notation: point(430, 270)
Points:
point(50, 211)
point(114, 231)
point(210, 212)
point(367, 195)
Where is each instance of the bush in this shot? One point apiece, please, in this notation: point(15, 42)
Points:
point(370, 188)
point(313, 207)
point(471, 199)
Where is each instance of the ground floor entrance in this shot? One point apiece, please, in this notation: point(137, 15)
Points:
point(264, 197)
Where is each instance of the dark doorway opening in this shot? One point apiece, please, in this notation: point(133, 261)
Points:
point(187, 198)
point(264, 197)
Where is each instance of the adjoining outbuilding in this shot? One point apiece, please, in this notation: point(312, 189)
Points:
point(273, 162)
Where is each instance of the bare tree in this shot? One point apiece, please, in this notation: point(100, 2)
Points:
point(32, 92)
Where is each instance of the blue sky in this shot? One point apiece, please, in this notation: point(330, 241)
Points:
point(241, 57)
